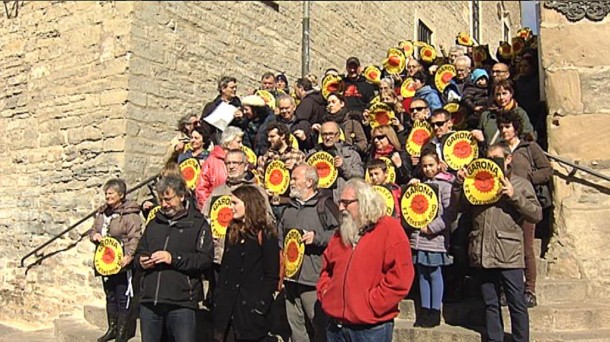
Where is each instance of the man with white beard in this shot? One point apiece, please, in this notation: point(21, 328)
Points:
point(316, 217)
point(367, 268)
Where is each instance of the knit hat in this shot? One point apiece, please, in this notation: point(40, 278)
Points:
point(478, 73)
point(283, 78)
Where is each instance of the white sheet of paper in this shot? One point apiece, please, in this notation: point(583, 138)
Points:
point(222, 116)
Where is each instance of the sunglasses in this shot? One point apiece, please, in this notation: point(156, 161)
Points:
point(380, 137)
point(417, 109)
point(438, 123)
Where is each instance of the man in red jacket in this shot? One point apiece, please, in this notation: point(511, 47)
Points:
point(367, 268)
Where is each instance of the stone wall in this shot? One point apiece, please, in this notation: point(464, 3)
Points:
point(92, 90)
point(577, 84)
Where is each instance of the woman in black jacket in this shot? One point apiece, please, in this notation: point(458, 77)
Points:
point(249, 271)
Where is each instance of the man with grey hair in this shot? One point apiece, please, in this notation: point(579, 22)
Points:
point(315, 218)
point(301, 129)
point(367, 268)
point(227, 93)
point(174, 251)
point(463, 65)
point(455, 52)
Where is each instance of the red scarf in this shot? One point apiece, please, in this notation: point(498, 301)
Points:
point(385, 152)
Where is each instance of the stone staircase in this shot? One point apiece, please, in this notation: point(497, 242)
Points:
point(564, 313)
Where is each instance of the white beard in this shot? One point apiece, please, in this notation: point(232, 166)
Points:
point(297, 193)
point(349, 230)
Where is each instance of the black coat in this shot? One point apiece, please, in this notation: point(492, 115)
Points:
point(188, 239)
point(358, 93)
point(312, 108)
point(249, 275)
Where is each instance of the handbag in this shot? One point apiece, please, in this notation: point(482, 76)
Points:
point(543, 191)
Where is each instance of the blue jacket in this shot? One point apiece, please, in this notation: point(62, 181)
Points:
point(430, 95)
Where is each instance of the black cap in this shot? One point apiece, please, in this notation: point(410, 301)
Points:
point(353, 60)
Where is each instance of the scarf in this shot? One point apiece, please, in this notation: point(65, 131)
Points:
point(385, 152)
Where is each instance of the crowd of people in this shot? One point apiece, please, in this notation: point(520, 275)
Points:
point(333, 261)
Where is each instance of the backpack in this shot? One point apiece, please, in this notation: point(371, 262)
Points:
point(321, 209)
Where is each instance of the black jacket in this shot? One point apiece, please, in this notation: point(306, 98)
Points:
point(358, 93)
point(187, 237)
point(312, 108)
point(210, 106)
point(249, 276)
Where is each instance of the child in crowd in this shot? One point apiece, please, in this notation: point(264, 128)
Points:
point(431, 243)
point(378, 175)
point(476, 96)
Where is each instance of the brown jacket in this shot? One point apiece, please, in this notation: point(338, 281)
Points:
point(126, 226)
point(496, 238)
point(530, 163)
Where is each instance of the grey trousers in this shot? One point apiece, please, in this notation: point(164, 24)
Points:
point(305, 315)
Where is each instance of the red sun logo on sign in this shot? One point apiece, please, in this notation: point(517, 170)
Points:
point(394, 61)
point(188, 173)
point(446, 77)
point(382, 118)
point(419, 204)
point(292, 251)
point(428, 53)
point(484, 181)
point(420, 137)
point(275, 177)
point(462, 149)
point(373, 75)
point(323, 169)
point(224, 216)
point(108, 256)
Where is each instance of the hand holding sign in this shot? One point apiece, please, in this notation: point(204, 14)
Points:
point(507, 188)
point(308, 237)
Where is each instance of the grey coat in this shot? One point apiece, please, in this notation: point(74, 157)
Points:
point(304, 216)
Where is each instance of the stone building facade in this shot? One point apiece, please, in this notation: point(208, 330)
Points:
point(92, 90)
point(574, 40)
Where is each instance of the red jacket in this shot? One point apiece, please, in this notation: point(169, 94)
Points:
point(213, 173)
point(364, 284)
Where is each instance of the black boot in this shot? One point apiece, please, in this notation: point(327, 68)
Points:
point(111, 332)
point(433, 319)
point(422, 317)
point(122, 328)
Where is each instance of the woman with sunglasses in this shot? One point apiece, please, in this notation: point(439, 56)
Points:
point(385, 143)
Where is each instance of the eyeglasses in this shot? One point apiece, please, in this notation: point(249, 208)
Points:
point(329, 134)
point(347, 202)
point(233, 163)
point(438, 123)
point(417, 109)
point(380, 137)
point(167, 199)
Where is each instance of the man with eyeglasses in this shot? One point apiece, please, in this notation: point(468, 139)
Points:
point(367, 268)
point(347, 160)
point(174, 251)
point(500, 71)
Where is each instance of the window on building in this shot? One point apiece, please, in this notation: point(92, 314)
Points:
point(506, 33)
point(424, 33)
point(476, 28)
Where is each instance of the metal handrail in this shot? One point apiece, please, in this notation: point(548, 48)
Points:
point(575, 167)
point(138, 186)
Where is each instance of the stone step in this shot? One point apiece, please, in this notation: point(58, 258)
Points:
point(561, 291)
point(13, 335)
point(96, 316)
point(75, 329)
point(404, 331)
point(572, 316)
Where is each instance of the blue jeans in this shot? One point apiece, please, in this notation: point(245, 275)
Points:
point(180, 322)
point(512, 281)
point(360, 333)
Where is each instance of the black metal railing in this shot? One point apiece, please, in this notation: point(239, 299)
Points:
point(91, 214)
point(576, 167)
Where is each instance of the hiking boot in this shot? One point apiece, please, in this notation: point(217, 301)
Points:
point(433, 319)
point(530, 300)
